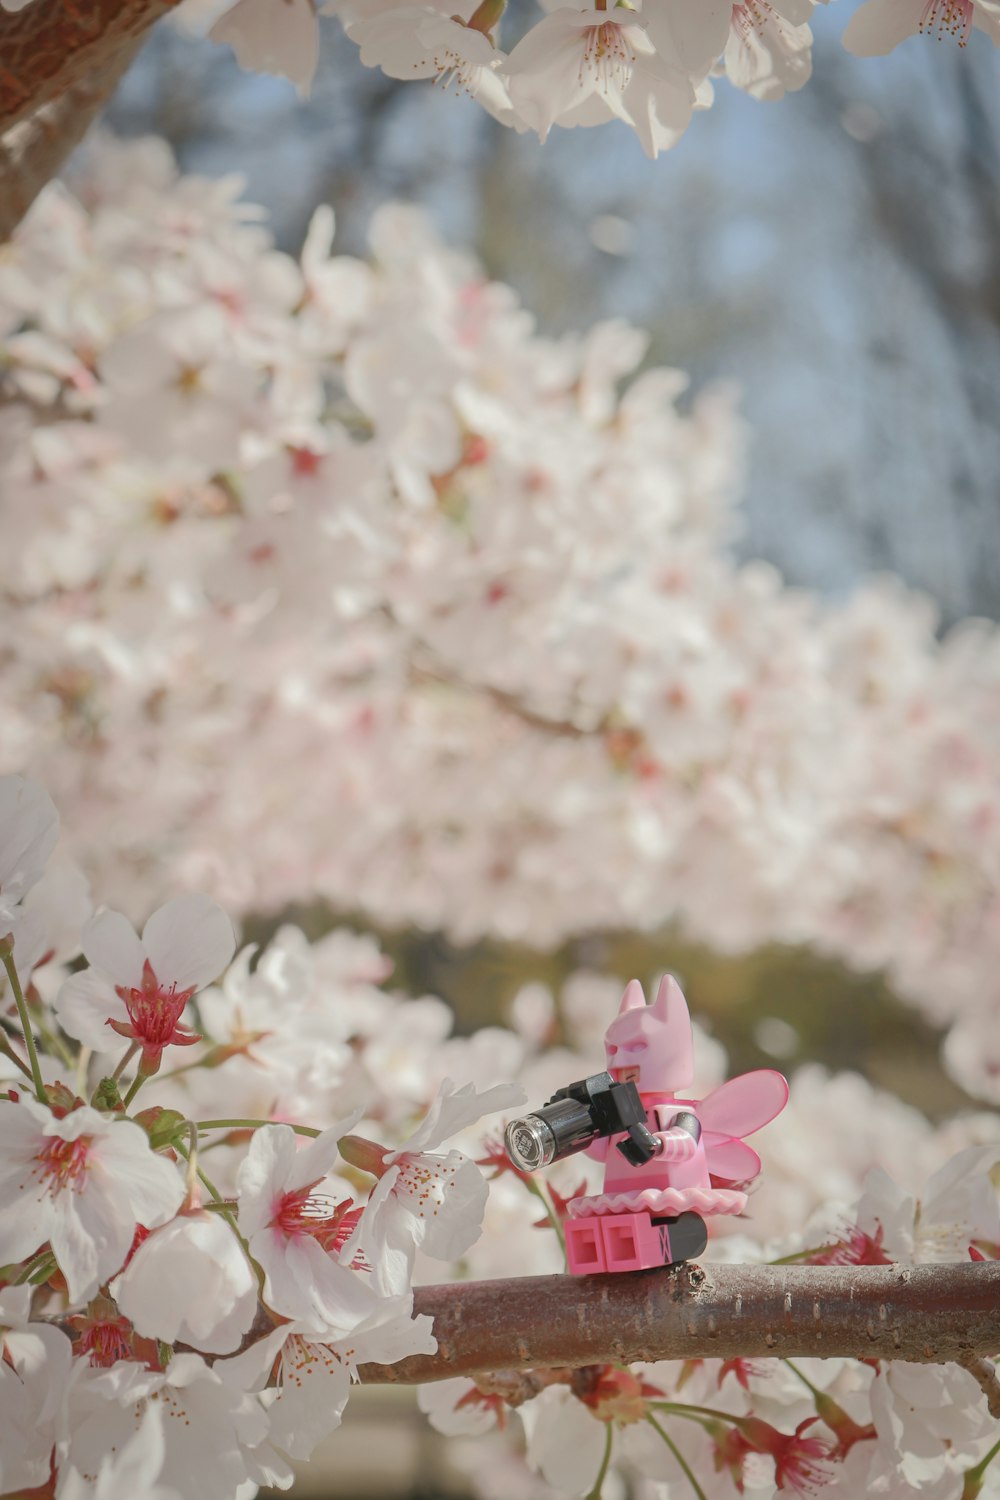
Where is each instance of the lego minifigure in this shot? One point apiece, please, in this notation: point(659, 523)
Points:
point(670, 1161)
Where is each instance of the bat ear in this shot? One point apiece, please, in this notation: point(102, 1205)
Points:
point(633, 998)
point(670, 1005)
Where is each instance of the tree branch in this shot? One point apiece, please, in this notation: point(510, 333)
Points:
point(32, 152)
point(929, 1314)
point(51, 45)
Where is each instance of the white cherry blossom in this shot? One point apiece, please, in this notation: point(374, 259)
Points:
point(190, 1281)
point(268, 38)
point(423, 1200)
point(307, 1400)
point(216, 1431)
point(127, 1472)
point(137, 987)
point(35, 1361)
point(420, 42)
point(878, 26)
point(81, 1183)
point(29, 829)
point(295, 1227)
point(582, 66)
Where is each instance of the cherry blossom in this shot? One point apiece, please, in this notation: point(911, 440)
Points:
point(132, 1470)
point(294, 1231)
point(34, 1369)
point(421, 42)
point(217, 1432)
point(139, 988)
point(269, 39)
point(424, 1201)
point(80, 1183)
point(307, 1400)
point(190, 1281)
point(29, 828)
point(584, 66)
point(880, 25)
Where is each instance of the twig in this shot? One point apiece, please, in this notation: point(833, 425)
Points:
point(984, 1371)
point(32, 152)
point(50, 46)
point(925, 1314)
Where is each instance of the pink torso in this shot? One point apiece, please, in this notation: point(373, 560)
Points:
point(621, 1177)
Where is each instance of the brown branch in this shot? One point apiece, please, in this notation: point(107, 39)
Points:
point(32, 152)
point(924, 1314)
point(984, 1371)
point(51, 45)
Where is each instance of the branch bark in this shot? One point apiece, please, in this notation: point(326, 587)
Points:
point(51, 45)
point(929, 1314)
point(32, 152)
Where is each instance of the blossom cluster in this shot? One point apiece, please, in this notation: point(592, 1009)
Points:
point(201, 1330)
point(401, 605)
point(650, 64)
point(190, 1277)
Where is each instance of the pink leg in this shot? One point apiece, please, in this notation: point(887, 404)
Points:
point(584, 1247)
point(631, 1242)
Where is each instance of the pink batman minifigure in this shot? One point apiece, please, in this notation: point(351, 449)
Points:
point(670, 1161)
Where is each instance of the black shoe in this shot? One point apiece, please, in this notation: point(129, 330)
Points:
point(683, 1238)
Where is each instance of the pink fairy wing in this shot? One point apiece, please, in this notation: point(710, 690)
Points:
point(730, 1160)
point(744, 1104)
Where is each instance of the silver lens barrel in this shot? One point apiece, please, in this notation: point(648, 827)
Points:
point(530, 1143)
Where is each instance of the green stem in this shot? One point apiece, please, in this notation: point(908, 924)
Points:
point(209, 1184)
point(797, 1255)
point(595, 1493)
point(22, 1011)
point(254, 1125)
point(536, 1187)
point(134, 1087)
point(804, 1379)
point(689, 1472)
point(8, 1051)
point(124, 1061)
point(684, 1409)
point(974, 1477)
point(35, 1264)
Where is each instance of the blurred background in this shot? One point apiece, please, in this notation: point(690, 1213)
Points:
point(837, 258)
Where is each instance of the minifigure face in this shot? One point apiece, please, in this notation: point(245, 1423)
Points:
point(651, 1045)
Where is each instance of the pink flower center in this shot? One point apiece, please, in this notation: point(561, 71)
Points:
point(607, 54)
point(63, 1164)
point(305, 1212)
point(106, 1342)
point(153, 1015)
point(752, 15)
point(948, 18)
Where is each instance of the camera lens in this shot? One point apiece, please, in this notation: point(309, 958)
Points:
point(530, 1143)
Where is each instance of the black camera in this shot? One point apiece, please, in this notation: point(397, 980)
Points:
point(583, 1112)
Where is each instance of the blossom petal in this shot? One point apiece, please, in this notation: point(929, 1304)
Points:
point(189, 941)
point(110, 944)
point(880, 25)
point(83, 1007)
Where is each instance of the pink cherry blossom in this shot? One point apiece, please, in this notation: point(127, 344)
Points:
point(139, 988)
point(81, 1184)
point(295, 1227)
